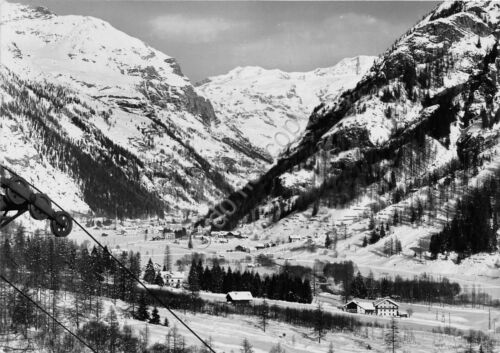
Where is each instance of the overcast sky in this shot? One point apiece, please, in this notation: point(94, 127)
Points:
point(211, 38)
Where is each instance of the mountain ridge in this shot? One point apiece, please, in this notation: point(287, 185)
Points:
point(270, 107)
point(133, 96)
point(418, 129)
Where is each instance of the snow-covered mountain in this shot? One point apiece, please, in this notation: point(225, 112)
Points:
point(418, 133)
point(271, 107)
point(83, 94)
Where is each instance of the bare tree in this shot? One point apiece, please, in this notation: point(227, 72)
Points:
point(392, 339)
point(167, 259)
point(277, 349)
point(319, 323)
point(264, 315)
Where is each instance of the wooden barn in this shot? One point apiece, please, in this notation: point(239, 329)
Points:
point(239, 297)
point(359, 307)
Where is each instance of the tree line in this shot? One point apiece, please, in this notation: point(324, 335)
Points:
point(423, 288)
point(107, 173)
point(474, 226)
point(281, 286)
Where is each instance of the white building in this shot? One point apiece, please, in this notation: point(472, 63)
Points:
point(381, 307)
point(173, 278)
point(386, 307)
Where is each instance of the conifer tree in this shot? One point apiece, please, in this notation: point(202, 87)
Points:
point(149, 273)
point(395, 218)
point(358, 288)
point(193, 279)
point(382, 231)
point(371, 223)
point(246, 347)
point(374, 237)
point(159, 279)
point(328, 241)
point(155, 317)
point(398, 248)
point(142, 313)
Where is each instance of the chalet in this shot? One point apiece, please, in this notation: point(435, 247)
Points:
point(359, 307)
point(167, 233)
point(241, 248)
point(239, 297)
point(293, 238)
point(117, 252)
point(386, 307)
point(173, 279)
point(260, 246)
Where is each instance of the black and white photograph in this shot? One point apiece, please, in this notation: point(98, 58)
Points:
point(249, 176)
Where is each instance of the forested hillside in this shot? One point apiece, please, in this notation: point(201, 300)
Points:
point(114, 115)
point(419, 131)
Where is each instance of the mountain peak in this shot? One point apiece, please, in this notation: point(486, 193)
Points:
point(251, 97)
point(106, 96)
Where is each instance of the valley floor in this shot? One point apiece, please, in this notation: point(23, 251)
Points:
point(227, 333)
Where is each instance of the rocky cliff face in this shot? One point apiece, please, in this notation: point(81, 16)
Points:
point(270, 107)
point(122, 104)
point(426, 110)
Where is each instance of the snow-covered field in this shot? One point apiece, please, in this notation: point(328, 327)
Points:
point(424, 317)
point(228, 333)
point(480, 270)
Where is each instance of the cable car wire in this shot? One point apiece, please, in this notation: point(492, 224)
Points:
point(153, 295)
point(47, 313)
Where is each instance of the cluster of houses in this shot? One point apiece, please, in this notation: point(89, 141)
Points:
point(228, 234)
point(381, 307)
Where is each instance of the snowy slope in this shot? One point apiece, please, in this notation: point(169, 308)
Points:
point(128, 93)
point(422, 126)
point(270, 107)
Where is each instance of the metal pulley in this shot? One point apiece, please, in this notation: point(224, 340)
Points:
point(19, 197)
point(40, 207)
point(17, 191)
point(61, 225)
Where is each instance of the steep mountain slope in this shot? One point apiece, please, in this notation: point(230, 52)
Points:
point(270, 107)
point(89, 88)
point(415, 134)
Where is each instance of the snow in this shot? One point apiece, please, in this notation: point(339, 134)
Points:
point(226, 334)
point(271, 107)
point(69, 47)
point(105, 68)
point(18, 153)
